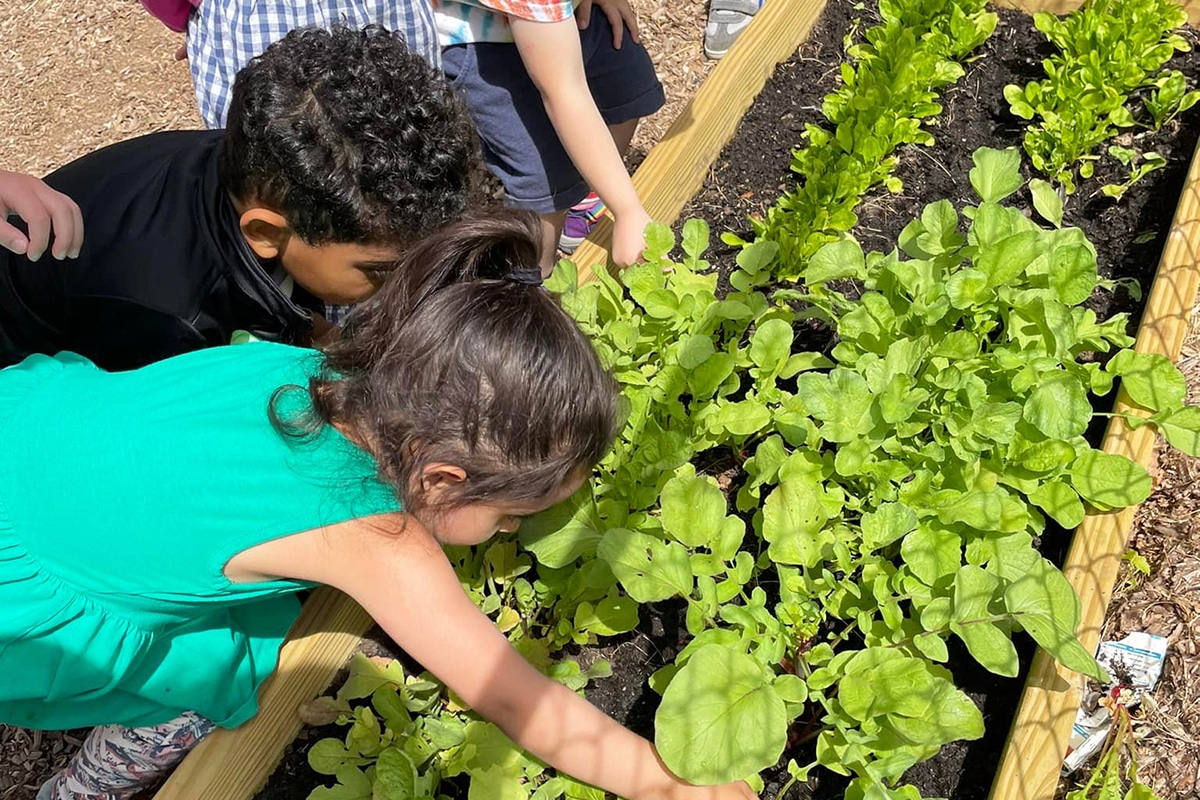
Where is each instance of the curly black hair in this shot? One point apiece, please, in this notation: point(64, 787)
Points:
point(350, 136)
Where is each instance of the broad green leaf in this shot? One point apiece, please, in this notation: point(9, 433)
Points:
point(693, 508)
point(720, 719)
point(968, 287)
point(771, 344)
point(484, 747)
point(367, 675)
point(1181, 429)
point(887, 524)
point(931, 554)
point(695, 237)
point(695, 350)
point(743, 418)
point(1007, 259)
point(996, 174)
point(327, 756)
point(1059, 501)
point(792, 520)
point(899, 400)
point(955, 717)
point(1047, 456)
point(1047, 202)
point(660, 240)
point(648, 568)
point(1059, 407)
point(1072, 273)
point(707, 377)
point(389, 704)
point(840, 259)
point(790, 688)
point(493, 783)
point(757, 256)
point(395, 776)
point(563, 533)
point(983, 511)
point(972, 622)
point(802, 362)
point(841, 400)
point(996, 421)
point(1110, 481)
point(1151, 380)
point(1046, 606)
point(879, 681)
point(352, 784)
point(609, 617)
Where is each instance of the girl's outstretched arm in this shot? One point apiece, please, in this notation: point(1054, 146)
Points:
point(402, 578)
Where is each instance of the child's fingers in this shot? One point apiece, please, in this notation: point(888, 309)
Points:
point(583, 14)
point(37, 222)
point(68, 225)
point(615, 20)
point(630, 18)
point(12, 239)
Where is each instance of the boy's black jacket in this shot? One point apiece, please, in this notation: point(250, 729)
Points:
point(164, 268)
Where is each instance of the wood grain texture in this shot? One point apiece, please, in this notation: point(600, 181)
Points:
point(1037, 744)
point(1066, 6)
point(235, 764)
point(677, 166)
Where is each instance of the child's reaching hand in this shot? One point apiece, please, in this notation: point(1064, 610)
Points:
point(43, 210)
point(629, 237)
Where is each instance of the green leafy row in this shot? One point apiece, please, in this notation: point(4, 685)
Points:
point(894, 491)
point(1108, 52)
point(889, 88)
point(412, 737)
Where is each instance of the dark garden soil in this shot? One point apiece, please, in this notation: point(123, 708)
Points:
point(751, 172)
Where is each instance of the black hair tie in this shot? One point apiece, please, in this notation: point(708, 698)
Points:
point(527, 276)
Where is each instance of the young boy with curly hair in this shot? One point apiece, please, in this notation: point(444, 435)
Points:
point(343, 147)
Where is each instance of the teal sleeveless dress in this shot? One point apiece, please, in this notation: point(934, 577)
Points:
point(122, 497)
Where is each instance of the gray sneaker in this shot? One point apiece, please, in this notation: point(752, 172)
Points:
point(726, 20)
point(44, 792)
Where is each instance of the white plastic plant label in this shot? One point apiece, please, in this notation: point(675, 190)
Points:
point(1134, 664)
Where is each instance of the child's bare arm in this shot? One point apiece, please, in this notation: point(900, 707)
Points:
point(43, 210)
point(552, 56)
point(400, 575)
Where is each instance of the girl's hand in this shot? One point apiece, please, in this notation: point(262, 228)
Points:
point(43, 209)
point(629, 237)
point(620, 16)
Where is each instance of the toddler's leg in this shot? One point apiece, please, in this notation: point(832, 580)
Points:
point(116, 762)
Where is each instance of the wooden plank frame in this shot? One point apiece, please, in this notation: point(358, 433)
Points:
point(236, 764)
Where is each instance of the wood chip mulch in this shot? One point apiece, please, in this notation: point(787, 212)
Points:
point(1166, 533)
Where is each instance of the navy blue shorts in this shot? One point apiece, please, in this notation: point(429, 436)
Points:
point(519, 144)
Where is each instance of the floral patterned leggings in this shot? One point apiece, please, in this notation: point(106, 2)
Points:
point(116, 763)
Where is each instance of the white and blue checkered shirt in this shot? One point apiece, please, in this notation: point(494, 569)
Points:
point(223, 35)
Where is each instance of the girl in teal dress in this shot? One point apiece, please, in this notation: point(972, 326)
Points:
point(155, 525)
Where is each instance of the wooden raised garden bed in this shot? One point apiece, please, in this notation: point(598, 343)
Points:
point(234, 765)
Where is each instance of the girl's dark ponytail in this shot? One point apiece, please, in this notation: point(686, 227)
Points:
point(462, 358)
point(506, 242)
